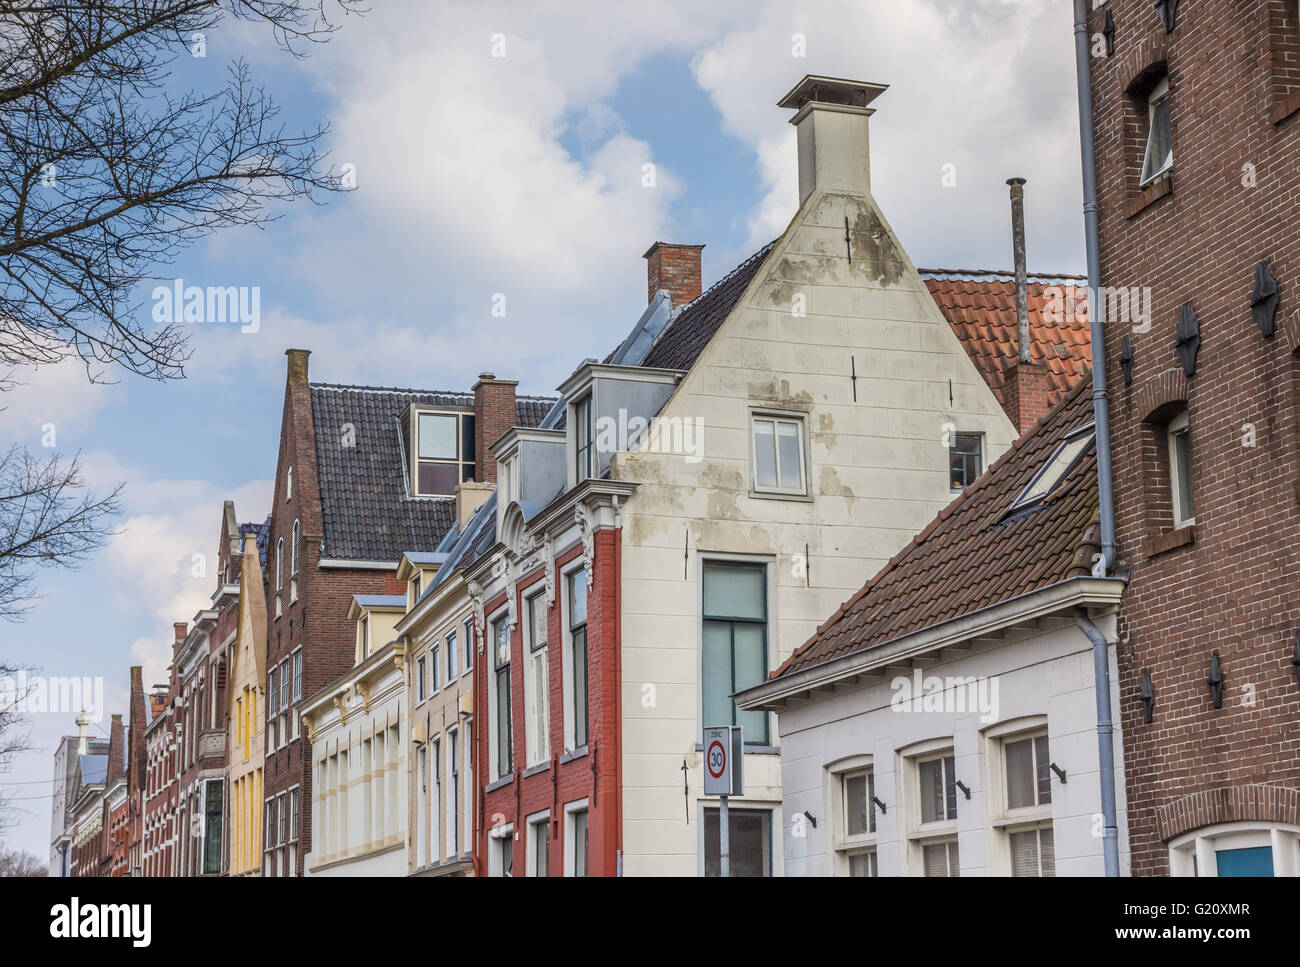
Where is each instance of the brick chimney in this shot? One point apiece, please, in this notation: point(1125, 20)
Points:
point(675, 268)
point(135, 731)
point(115, 760)
point(831, 120)
point(494, 414)
point(297, 369)
point(1028, 394)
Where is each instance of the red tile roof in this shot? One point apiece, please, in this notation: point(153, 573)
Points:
point(977, 553)
point(981, 308)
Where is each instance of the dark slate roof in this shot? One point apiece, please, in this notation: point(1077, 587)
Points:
point(694, 325)
point(365, 511)
point(977, 554)
point(263, 532)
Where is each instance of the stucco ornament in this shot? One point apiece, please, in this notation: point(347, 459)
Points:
point(512, 580)
point(475, 591)
point(548, 558)
point(587, 525)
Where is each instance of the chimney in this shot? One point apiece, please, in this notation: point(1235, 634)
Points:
point(135, 733)
point(297, 372)
point(158, 701)
point(1022, 270)
point(179, 629)
point(115, 761)
point(831, 120)
point(675, 268)
point(470, 496)
point(494, 414)
point(1029, 384)
point(82, 721)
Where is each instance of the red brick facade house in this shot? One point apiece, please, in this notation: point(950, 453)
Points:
point(363, 475)
point(1196, 109)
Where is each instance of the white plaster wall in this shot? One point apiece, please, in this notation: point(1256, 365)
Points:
point(1048, 674)
point(878, 473)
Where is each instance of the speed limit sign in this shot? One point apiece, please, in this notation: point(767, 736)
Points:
point(723, 755)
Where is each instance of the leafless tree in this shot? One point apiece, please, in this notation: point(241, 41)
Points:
point(107, 172)
point(18, 863)
point(13, 738)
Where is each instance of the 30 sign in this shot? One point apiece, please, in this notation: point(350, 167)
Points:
point(723, 761)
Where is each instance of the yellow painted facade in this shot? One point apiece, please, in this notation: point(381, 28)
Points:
point(246, 694)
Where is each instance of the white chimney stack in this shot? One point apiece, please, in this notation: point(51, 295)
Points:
point(831, 119)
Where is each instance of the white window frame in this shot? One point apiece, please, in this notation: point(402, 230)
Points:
point(293, 550)
point(489, 652)
point(772, 623)
point(1005, 821)
point(458, 461)
point(421, 692)
point(452, 642)
point(800, 422)
point(843, 845)
point(579, 474)
point(434, 678)
point(919, 834)
point(537, 713)
point(570, 858)
point(533, 820)
point(1177, 426)
point(566, 654)
point(363, 637)
point(1196, 853)
point(451, 833)
point(467, 626)
point(1159, 94)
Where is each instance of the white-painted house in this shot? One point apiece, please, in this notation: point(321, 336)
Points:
point(944, 721)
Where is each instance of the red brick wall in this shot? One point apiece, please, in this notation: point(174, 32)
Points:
point(675, 268)
point(1029, 394)
point(575, 779)
point(1232, 589)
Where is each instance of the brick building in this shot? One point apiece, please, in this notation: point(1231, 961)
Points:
point(364, 474)
point(1196, 110)
point(161, 830)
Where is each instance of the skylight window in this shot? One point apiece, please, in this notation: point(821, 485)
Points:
point(1061, 462)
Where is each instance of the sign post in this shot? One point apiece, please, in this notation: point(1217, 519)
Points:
point(724, 777)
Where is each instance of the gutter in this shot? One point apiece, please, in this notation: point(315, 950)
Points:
point(1097, 334)
point(1101, 417)
point(1039, 603)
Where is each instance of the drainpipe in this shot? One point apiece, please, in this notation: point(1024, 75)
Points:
point(1105, 738)
point(1101, 419)
point(1092, 236)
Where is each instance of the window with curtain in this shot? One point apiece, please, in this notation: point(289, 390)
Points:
point(735, 645)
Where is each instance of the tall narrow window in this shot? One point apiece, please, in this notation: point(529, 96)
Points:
point(577, 609)
point(749, 842)
point(434, 681)
point(537, 685)
point(419, 679)
point(1180, 471)
point(279, 564)
point(965, 460)
point(453, 793)
point(469, 643)
point(452, 661)
point(297, 675)
point(293, 551)
point(1028, 789)
point(779, 455)
point(936, 785)
point(501, 725)
point(1159, 153)
point(735, 645)
point(584, 439)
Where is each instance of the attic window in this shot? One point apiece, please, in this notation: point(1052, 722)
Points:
point(443, 450)
point(1063, 459)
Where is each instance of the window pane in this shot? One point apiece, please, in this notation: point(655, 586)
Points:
point(467, 439)
point(580, 687)
point(1020, 774)
point(764, 453)
point(1024, 853)
point(932, 798)
point(1183, 456)
point(863, 864)
point(437, 478)
point(505, 763)
point(580, 843)
point(1047, 851)
point(537, 621)
point(1044, 765)
point(1159, 153)
point(950, 784)
point(1253, 861)
point(747, 842)
point(940, 859)
point(734, 591)
point(965, 459)
point(856, 822)
point(577, 599)
point(787, 445)
point(750, 649)
point(716, 683)
point(437, 436)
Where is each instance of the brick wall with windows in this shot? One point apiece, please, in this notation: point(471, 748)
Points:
point(1227, 582)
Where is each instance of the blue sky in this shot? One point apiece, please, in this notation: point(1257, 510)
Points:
point(518, 175)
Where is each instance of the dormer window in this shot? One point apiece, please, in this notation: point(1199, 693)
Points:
point(584, 437)
point(443, 452)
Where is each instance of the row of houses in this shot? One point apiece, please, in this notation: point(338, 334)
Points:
point(977, 610)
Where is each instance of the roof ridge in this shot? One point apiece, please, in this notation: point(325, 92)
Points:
point(1010, 273)
point(409, 391)
point(735, 269)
